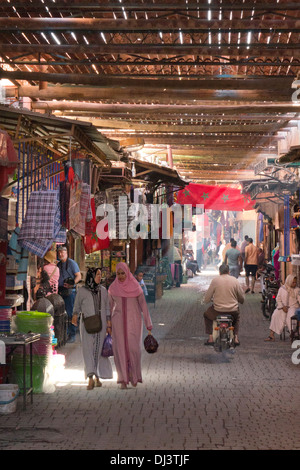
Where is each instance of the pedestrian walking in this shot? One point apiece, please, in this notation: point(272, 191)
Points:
point(128, 310)
point(234, 260)
point(92, 299)
point(251, 260)
point(243, 247)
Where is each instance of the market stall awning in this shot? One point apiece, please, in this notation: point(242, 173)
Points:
point(156, 174)
point(215, 197)
point(57, 134)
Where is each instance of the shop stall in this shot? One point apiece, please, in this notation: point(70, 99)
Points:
point(46, 201)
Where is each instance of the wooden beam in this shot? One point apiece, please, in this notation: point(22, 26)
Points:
point(207, 139)
point(194, 83)
point(174, 114)
point(114, 124)
point(258, 5)
point(213, 152)
point(165, 25)
point(135, 96)
point(233, 107)
point(269, 50)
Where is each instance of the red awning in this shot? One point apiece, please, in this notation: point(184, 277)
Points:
point(215, 197)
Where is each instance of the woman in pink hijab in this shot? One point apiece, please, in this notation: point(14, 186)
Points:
point(128, 307)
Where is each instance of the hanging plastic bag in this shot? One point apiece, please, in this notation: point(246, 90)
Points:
point(107, 349)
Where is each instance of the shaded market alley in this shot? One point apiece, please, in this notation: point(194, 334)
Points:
point(156, 141)
point(192, 398)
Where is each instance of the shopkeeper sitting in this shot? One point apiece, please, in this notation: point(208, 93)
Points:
point(69, 276)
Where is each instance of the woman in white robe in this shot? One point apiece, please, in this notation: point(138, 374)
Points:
point(89, 299)
point(288, 300)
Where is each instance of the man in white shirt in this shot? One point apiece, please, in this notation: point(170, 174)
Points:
point(226, 293)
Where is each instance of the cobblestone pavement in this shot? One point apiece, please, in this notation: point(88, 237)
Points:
point(192, 398)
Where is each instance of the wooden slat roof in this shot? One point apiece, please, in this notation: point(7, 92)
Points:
point(211, 79)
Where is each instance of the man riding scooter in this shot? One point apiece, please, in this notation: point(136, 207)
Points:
point(226, 293)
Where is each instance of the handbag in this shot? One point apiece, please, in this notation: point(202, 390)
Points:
point(93, 324)
point(107, 349)
point(150, 344)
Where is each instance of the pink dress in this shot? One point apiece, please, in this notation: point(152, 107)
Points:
point(127, 314)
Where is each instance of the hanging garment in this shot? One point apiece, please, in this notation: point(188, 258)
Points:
point(85, 209)
point(64, 198)
point(41, 226)
point(91, 225)
point(8, 158)
point(74, 205)
point(91, 241)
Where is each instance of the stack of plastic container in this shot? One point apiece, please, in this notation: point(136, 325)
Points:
point(5, 319)
point(35, 322)
point(5, 327)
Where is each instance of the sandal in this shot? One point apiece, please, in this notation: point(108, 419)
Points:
point(209, 343)
point(270, 338)
point(91, 385)
point(98, 383)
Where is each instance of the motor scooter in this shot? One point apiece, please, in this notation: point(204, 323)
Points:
point(269, 291)
point(223, 333)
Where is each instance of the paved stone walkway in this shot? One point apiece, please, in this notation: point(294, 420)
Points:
point(192, 398)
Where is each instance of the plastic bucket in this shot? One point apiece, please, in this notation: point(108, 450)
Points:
point(8, 398)
point(39, 364)
point(37, 322)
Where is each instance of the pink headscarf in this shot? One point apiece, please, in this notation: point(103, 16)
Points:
point(129, 288)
